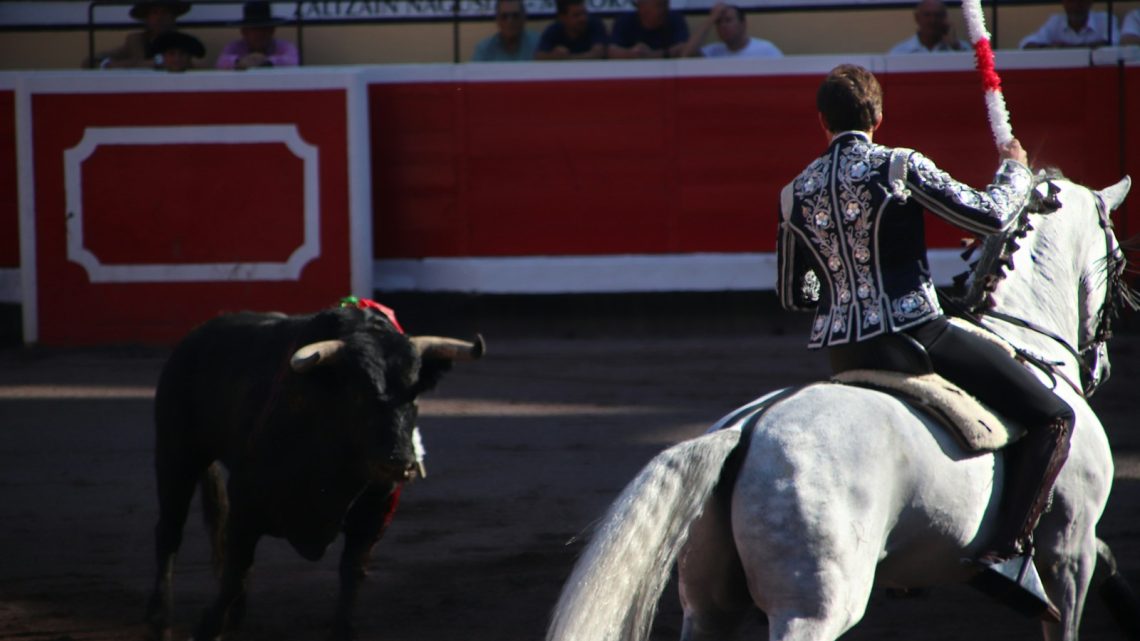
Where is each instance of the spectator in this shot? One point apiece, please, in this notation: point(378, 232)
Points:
point(652, 31)
point(574, 34)
point(1130, 32)
point(732, 29)
point(175, 51)
point(934, 32)
point(257, 47)
point(137, 50)
point(513, 42)
point(1077, 27)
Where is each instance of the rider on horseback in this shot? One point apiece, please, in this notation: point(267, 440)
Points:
point(851, 247)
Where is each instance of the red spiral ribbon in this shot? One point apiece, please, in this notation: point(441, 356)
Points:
point(984, 55)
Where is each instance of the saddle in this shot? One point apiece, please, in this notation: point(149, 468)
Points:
point(899, 365)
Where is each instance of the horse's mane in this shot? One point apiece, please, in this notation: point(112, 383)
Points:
point(996, 259)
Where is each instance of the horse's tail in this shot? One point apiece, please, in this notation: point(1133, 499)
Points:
point(1117, 594)
point(215, 511)
point(613, 592)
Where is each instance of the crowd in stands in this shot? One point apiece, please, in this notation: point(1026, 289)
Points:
point(161, 46)
point(652, 30)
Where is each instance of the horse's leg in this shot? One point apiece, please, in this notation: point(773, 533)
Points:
point(714, 591)
point(1066, 556)
point(241, 541)
point(364, 525)
point(809, 557)
point(1118, 596)
point(176, 482)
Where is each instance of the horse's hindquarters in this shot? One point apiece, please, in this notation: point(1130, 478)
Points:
point(841, 484)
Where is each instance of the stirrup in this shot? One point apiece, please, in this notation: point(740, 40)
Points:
point(1015, 583)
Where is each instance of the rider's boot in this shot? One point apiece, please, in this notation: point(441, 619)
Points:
point(1032, 466)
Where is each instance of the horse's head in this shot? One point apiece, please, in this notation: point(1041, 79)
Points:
point(1103, 290)
point(1058, 273)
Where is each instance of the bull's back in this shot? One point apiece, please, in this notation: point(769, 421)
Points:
point(218, 377)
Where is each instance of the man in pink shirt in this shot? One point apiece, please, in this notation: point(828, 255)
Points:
point(258, 47)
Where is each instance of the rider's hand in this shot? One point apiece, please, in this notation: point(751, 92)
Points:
point(1013, 150)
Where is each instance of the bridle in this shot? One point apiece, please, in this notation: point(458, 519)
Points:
point(1117, 295)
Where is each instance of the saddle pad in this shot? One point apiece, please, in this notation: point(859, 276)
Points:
point(975, 426)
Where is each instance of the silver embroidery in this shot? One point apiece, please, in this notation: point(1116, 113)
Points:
point(810, 286)
point(910, 306)
point(855, 172)
point(812, 178)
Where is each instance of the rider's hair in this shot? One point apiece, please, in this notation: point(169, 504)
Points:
point(850, 99)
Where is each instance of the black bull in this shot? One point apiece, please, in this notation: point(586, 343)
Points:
point(312, 416)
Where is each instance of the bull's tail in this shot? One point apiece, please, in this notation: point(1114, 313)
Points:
point(613, 592)
point(1117, 594)
point(215, 511)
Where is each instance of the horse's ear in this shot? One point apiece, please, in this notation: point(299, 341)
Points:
point(1114, 195)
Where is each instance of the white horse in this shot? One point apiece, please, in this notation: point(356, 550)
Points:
point(842, 488)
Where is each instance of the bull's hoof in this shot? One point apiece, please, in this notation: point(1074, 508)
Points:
point(342, 632)
point(209, 628)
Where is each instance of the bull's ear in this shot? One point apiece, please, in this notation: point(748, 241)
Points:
point(314, 354)
point(431, 371)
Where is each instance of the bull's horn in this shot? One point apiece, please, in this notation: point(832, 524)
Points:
point(313, 354)
point(449, 348)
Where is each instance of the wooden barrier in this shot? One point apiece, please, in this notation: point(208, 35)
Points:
point(154, 201)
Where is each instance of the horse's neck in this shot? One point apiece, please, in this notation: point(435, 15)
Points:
point(1043, 286)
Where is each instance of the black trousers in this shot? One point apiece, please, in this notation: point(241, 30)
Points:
point(988, 373)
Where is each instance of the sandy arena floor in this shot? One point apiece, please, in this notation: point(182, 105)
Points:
point(525, 448)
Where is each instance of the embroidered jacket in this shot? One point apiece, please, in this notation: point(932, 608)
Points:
point(851, 242)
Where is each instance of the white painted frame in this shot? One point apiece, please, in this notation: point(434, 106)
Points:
point(100, 272)
point(357, 142)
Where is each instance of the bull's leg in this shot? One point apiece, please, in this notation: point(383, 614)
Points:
point(363, 526)
point(241, 541)
point(176, 482)
point(714, 591)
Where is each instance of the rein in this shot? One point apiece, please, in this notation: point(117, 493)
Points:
point(1052, 368)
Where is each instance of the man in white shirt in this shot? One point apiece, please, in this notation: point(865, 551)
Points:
point(934, 33)
point(1077, 27)
point(732, 29)
point(1130, 32)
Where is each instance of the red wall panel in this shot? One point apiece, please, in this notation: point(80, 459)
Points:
point(680, 164)
point(1128, 220)
point(9, 202)
point(184, 204)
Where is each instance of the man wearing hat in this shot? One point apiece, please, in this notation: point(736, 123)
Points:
point(176, 50)
point(257, 46)
point(137, 50)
